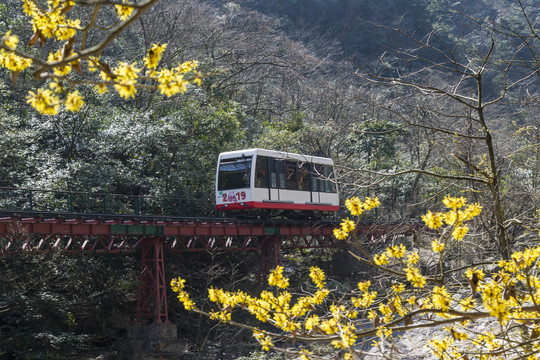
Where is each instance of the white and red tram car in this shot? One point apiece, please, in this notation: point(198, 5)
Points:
point(275, 182)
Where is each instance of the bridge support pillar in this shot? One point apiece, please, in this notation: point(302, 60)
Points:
point(271, 255)
point(152, 302)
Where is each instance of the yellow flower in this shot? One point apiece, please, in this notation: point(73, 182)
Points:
point(437, 246)
point(311, 322)
point(467, 303)
point(454, 203)
point(460, 232)
point(265, 341)
point(67, 30)
point(277, 279)
point(126, 71)
point(340, 234)
point(355, 206)
point(170, 83)
point(347, 225)
point(123, 11)
point(439, 347)
point(178, 284)
point(13, 62)
point(304, 354)
point(154, 55)
point(441, 298)
point(56, 86)
point(366, 300)
point(472, 211)
point(44, 101)
point(415, 277)
point(451, 218)
point(186, 67)
point(371, 203)
point(74, 101)
point(320, 295)
point(433, 220)
point(479, 273)
point(317, 276)
point(58, 70)
point(364, 286)
point(384, 332)
point(413, 258)
point(29, 8)
point(101, 88)
point(397, 251)
point(329, 326)
point(126, 90)
point(93, 63)
point(380, 259)
point(10, 41)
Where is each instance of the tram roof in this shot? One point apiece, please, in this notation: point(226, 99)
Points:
point(277, 154)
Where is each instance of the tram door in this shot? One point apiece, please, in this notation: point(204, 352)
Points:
point(266, 179)
point(315, 183)
point(274, 168)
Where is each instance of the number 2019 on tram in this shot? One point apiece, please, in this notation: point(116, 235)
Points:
point(270, 183)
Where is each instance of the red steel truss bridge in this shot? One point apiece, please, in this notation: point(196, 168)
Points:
point(35, 231)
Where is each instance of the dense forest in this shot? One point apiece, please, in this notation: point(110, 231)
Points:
point(412, 99)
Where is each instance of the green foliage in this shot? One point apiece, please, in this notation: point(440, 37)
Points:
point(59, 306)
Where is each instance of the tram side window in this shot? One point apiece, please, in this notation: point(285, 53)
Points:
point(291, 175)
point(261, 172)
point(303, 176)
point(322, 179)
point(330, 184)
point(234, 173)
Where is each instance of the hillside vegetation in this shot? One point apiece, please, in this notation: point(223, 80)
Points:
point(412, 99)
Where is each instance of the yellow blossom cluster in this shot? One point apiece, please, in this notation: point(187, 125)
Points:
point(356, 207)
point(69, 39)
point(511, 296)
point(285, 314)
point(123, 11)
point(51, 22)
point(177, 285)
point(153, 56)
point(508, 294)
point(454, 217)
point(368, 297)
point(8, 56)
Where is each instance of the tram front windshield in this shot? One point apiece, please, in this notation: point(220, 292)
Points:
point(234, 173)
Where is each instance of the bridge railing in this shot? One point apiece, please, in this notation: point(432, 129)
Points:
point(22, 199)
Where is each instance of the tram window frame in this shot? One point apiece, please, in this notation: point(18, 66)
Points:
point(225, 178)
